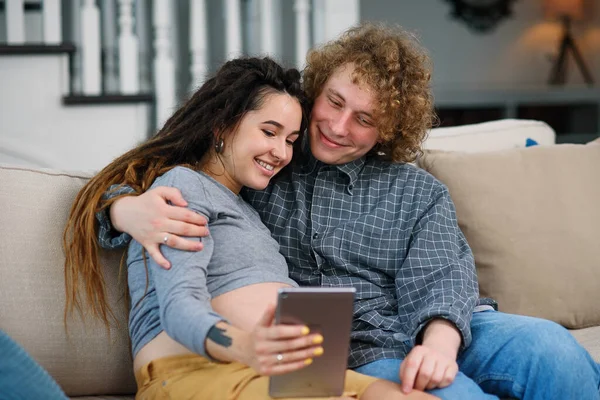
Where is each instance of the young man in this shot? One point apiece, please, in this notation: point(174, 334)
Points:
point(353, 212)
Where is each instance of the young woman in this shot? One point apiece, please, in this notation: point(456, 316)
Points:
point(204, 330)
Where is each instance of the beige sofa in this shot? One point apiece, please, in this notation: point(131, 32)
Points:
point(89, 363)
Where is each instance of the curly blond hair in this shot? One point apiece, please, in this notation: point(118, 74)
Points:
point(392, 63)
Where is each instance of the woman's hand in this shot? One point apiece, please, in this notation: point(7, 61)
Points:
point(279, 349)
point(155, 215)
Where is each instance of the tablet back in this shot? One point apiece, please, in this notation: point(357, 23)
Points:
point(327, 311)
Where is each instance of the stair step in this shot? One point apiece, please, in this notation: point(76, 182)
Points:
point(80, 99)
point(36, 48)
point(27, 6)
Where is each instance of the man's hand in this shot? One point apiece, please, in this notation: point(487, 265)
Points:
point(149, 219)
point(432, 364)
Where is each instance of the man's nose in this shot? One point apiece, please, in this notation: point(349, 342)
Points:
point(339, 125)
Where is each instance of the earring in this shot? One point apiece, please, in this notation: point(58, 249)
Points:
point(219, 146)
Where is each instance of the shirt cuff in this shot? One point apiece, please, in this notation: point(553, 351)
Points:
point(108, 237)
point(451, 314)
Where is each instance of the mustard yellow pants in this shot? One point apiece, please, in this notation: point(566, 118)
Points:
point(192, 377)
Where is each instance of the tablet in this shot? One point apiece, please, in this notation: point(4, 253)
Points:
point(327, 311)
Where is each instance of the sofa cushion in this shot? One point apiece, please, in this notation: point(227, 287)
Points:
point(532, 218)
point(490, 136)
point(590, 339)
point(130, 397)
point(87, 361)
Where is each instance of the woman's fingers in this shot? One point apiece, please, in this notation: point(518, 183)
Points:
point(283, 367)
point(283, 331)
point(279, 363)
point(291, 356)
point(282, 346)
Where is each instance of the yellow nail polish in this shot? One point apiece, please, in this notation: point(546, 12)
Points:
point(308, 361)
point(318, 339)
point(319, 351)
point(305, 330)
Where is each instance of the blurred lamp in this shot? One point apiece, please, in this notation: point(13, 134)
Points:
point(566, 11)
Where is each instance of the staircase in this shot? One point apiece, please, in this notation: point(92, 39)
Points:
point(43, 125)
point(49, 118)
point(83, 81)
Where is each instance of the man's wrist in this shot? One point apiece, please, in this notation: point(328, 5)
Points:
point(113, 212)
point(443, 336)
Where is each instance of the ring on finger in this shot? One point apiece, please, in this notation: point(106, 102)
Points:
point(279, 358)
point(165, 239)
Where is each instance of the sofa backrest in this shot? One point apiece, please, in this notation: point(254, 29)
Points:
point(86, 361)
point(34, 208)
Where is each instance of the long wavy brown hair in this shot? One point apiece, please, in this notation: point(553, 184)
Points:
point(240, 86)
point(391, 62)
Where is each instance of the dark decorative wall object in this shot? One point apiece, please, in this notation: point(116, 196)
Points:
point(481, 16)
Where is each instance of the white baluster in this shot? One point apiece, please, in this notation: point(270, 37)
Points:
point(142, 27)
point(109, 45)
point(251, 27)
point(233, 24)
point(90, 48)
point(198, 43)
point(164, 69)
point(267, 27)
point(128, 50)
point(318, 21)
point(75, 32)
point(15, 20)
point(302, 10)
point(51, 10)
point(339, 15)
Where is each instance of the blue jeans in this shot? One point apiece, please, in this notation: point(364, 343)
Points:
point(516, 357)
point(21, 377)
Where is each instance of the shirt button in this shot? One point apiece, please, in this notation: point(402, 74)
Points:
point(350, 186)
point(316, 235)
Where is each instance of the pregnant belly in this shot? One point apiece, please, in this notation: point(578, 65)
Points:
point(245, 306)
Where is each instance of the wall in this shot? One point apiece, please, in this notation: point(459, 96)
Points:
point(36, 130)
point(515, 54)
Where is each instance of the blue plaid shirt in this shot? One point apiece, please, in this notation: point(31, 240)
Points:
point(389, 230)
